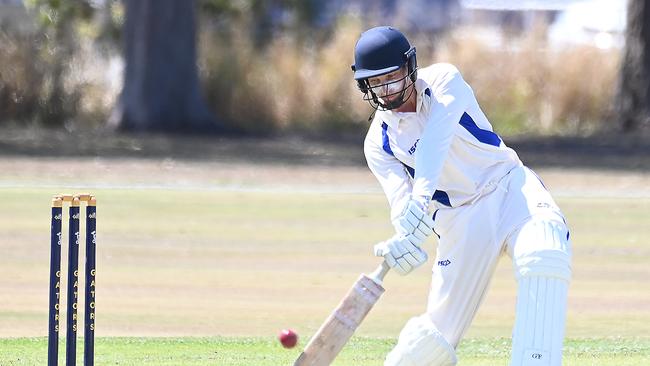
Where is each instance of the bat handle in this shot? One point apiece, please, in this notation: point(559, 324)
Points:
point(379, 273)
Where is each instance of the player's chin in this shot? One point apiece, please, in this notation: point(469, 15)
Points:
point(389, 100)
point(392, 103)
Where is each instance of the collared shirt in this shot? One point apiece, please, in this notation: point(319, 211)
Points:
point(446, 150)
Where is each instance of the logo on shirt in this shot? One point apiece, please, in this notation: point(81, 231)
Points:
point(444, 263)
point(415, 146)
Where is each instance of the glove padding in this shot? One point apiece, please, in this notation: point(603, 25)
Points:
point(401, 254)
point(414, 222)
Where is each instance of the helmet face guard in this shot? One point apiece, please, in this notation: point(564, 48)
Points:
point(393, 93)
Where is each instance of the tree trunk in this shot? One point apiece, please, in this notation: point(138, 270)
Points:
point(161, 86)
point(633, 104)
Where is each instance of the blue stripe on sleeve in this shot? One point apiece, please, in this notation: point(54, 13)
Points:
point(484, 136)
point(384, 139)
point(440, 196)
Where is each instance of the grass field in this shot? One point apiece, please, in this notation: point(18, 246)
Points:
point(246, 351)
point(209, 276)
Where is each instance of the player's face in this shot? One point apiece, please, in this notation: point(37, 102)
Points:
point(389, 86)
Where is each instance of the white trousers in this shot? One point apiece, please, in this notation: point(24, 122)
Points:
point(473, 237)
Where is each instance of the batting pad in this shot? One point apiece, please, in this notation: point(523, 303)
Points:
point(543, 264)
point(539, 327)
point(421, 344)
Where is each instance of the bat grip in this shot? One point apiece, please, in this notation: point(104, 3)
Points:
point(379, 273)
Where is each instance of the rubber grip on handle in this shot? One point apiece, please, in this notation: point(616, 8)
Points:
point(379, 273)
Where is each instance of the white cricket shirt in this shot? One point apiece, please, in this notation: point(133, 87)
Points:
point(445, 150)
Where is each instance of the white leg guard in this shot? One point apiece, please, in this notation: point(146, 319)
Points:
point(421, 344)
point(542, 259)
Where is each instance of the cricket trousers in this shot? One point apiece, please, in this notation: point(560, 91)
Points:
point(518, 217)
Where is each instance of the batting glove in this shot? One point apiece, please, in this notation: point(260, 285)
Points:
point(400, 254)
point(414, 222)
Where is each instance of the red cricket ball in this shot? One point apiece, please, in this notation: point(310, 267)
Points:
point(288, 338)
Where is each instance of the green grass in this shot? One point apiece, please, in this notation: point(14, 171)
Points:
point(247, 351)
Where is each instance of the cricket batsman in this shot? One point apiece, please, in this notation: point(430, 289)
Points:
point(445, 172)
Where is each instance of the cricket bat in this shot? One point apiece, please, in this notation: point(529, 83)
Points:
point(337, 329)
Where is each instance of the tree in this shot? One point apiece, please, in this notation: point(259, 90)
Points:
point(53, 46)
point(633, 104)
point(161, 85)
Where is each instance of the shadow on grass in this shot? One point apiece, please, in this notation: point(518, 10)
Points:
point(614, 152)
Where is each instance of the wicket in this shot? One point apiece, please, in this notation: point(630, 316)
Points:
point(73, 277)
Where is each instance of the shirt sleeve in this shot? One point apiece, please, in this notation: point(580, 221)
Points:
point(451, 96)
point(391, 174)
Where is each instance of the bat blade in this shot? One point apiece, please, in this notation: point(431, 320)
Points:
point(337, 329)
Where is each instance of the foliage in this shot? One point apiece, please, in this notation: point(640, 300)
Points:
point(45, 63)
point(276, 66)
point(528, 87)
point(20, 81)
point(298, 84)
point(291, 84)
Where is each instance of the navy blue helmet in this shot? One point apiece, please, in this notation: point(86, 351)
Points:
point(379, 51)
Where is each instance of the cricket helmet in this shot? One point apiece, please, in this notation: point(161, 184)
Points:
point(379, 51)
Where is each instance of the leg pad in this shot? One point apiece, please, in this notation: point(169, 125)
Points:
point(542, 261)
